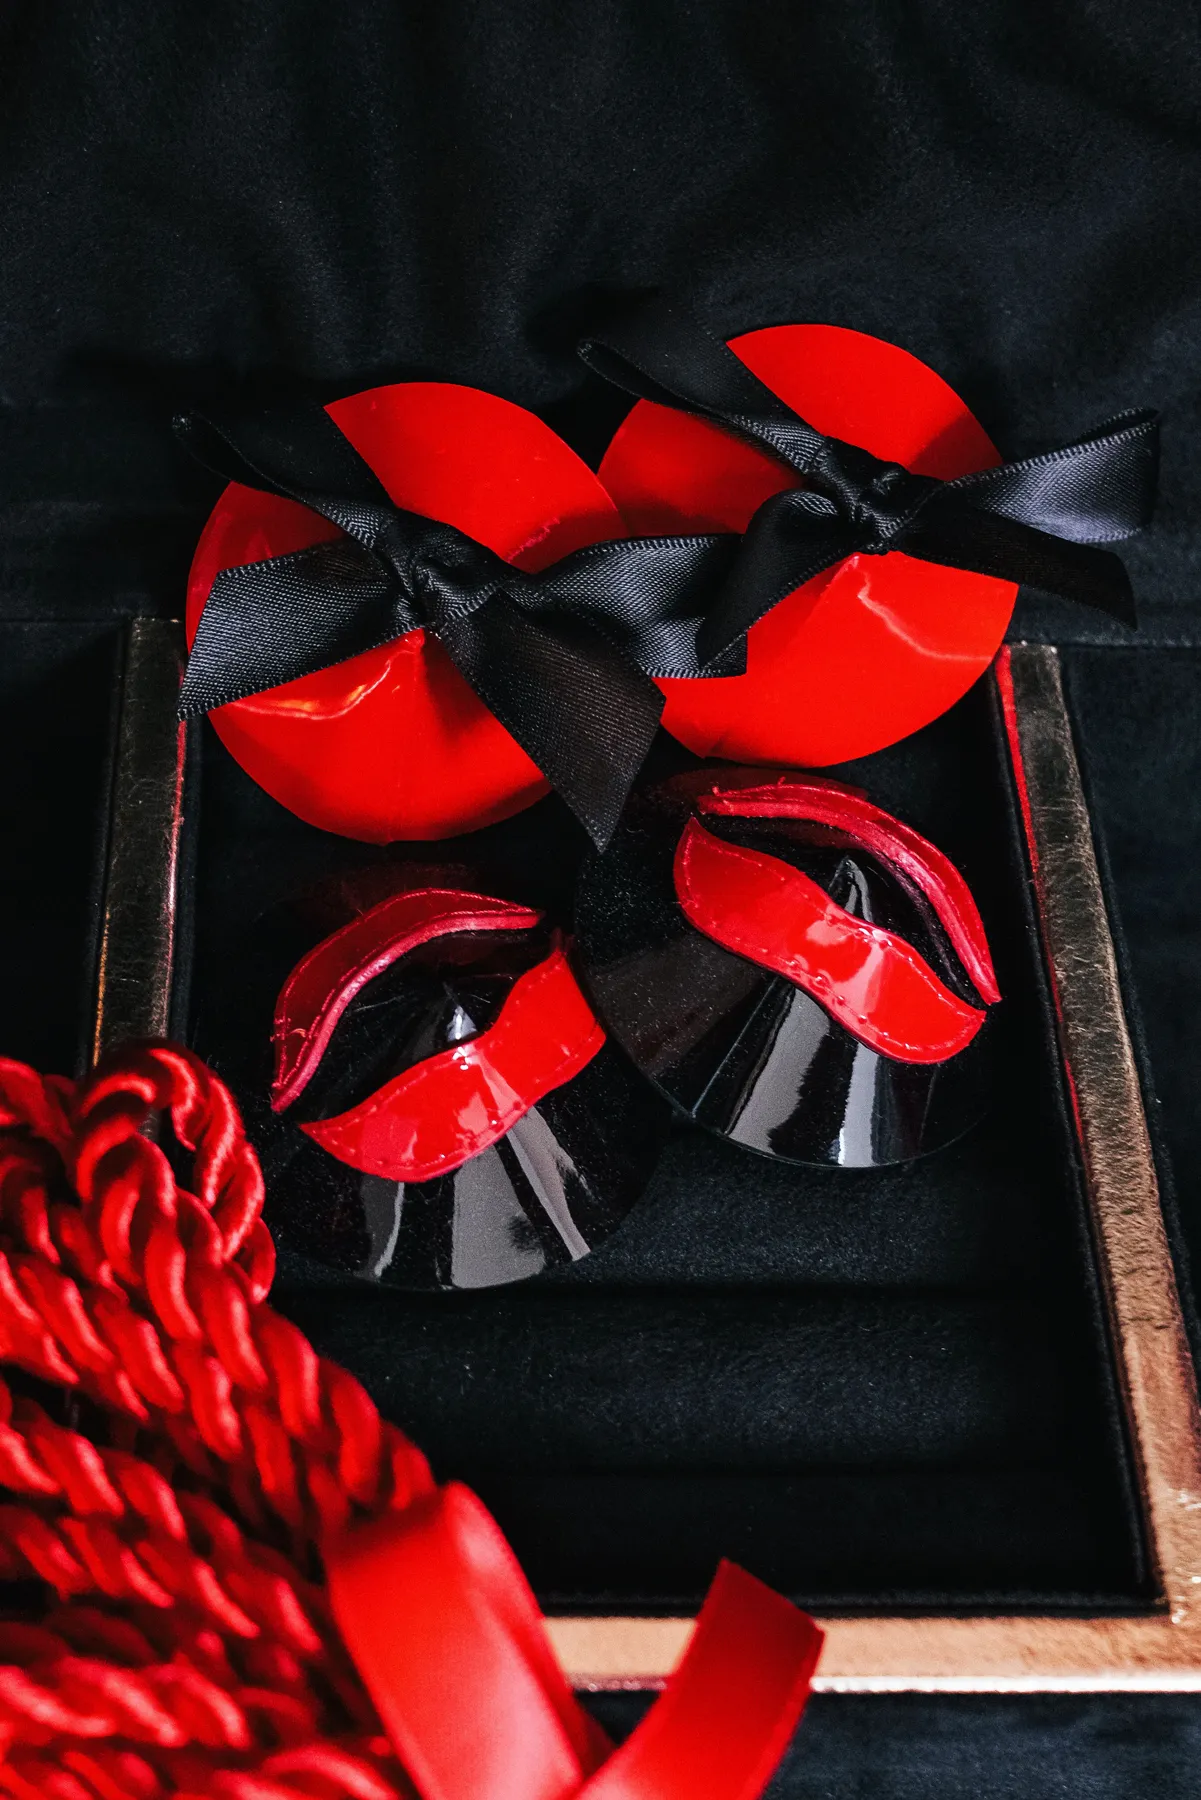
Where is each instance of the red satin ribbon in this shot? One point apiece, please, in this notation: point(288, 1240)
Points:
point(430, 1119)
point(822, 803)
point(869, 979)
point(324, 982)
point(448, 1639)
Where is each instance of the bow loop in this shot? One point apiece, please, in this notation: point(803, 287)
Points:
point(298, 453)
point(1097, 490)
point(659, 352)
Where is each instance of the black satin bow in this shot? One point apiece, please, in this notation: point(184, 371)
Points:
point(563, 658)
point(1034, 522)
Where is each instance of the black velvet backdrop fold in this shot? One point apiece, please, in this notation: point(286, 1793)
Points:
point(248, 192)
point(245, 195)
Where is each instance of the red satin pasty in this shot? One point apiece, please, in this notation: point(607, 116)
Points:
point(868, 651)
point(393, 743)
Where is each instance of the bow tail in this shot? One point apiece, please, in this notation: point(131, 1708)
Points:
point(961, 536)
point(793, 537)
point(725, 1718)
point(660, 351)
point(584, 714)
point(1101, 487)
point(271, 622)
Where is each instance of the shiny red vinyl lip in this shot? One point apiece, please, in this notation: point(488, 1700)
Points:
point(324, 982)
point(432, 1118)
point(823, 803)
point(869, 979)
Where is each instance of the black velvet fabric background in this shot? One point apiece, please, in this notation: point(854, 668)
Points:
point(246, 196)
point(250, 192)
point(58, 700)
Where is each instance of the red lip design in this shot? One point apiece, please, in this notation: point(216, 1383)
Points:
point(432, 1118)
point(823, 804)
point(868, 978)
point(324, 982)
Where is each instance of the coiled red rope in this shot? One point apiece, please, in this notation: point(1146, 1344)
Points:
point(218, 1479)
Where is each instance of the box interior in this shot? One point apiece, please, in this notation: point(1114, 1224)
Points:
point(872, 1388)
point(877, 1390)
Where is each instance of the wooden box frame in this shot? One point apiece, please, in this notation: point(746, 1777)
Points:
point(1158, 1649)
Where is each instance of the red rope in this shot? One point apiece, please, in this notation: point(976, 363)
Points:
point(193, 1652)
point(220, 1490)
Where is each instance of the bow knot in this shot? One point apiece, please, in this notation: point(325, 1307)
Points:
point(877, 499)
point(445, 574)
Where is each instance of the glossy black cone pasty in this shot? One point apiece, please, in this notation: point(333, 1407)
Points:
point(432, 1097)
point(791, 966)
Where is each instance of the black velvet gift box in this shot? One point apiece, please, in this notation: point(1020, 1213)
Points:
point(888, 1394)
